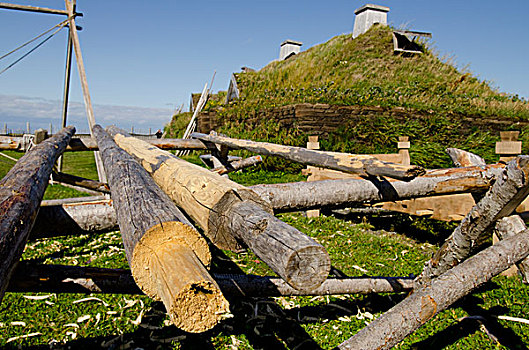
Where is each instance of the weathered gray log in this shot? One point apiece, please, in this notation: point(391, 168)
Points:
point(30, 278)
point(510, 226)
point(166, 254)
point(351, 192)
point(360, 164)
point(74, 219)
point(438, 294)
point(462, 158)
point(509, 190)
point(238, 165)
point(227, 210)
point(81, 182)
point(21, 191)
point(71, 200)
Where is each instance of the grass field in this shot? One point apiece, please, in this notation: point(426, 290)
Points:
point(395, 246)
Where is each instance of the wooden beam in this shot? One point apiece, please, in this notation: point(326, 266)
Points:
point(238, 165)
point(166, 254)
point(232, 214)
point(27, 8)
point(365, 165)
point(352, 192)
point(35, 278)
point(21, 191)
point(81, 182)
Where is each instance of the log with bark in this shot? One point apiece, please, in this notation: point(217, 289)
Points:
point(21, 192)
point(80, 182)
point(365, 165)
point(166, 254)
point(350, 192)
point(428, 300)
point(509, 190)
point(74, 219)
point(232, 215)
point(238, 165)
point(462, 158)
point(33, 278)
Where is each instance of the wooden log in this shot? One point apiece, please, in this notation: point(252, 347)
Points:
point(427, 301)
point(509, 190)
point(34, 278)
point(510, 226)
point(71, 200)
point(12, 143)
point(74, 219)
point(87, 144)
point(166, 254)
point(238, 165)
point(350, 192)
point(227, 210)
point(365, 165)
point(462, 158)
point(81, 182)
point(21, 191)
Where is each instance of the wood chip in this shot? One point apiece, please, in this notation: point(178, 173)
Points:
point(23, 336)
point(90, 299)
point(37, 297)
point(514, 319)
point(83, 318)
point(18, 323)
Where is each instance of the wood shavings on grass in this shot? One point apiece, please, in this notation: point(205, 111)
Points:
point(84, 318)
point(359, 268)
point(90, 299)
point(138, 319)
point(514, 319)
point(23, 336)
point(37, 297)
point(18, 323)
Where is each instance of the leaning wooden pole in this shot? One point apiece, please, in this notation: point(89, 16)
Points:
point(75, 219)
point(509, 190)
point(166, 254)
point(232, 214)
point(21, 192)
point(31, 277)
point(426, 302)
point(365, 165)
point(352, 192)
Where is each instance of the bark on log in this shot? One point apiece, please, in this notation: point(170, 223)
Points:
point(350, 192)
point(214, 202)
point(71, 200)
point(462, 158)
point(165, 253)
point(87, 144)
point(510, 226)
point(74, 219)
point(32, 278)
point(365, 165)
point(238, 165)
point(438, 294)
point(81, 182)
point(509, 190)
point(21, 191)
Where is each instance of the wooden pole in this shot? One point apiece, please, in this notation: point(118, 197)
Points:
point(238, 165)
point(352, 192)
point(426, 302)
point(21, 191)
point(509, 190)
point(71, 200)
point(231, 214)
point(166, 254)
point(365, 165)
point(462, 158)
point(84, 83)
point(510, 226)
point(66, 89)
point(32, 278)
point(81, 182)
point(27, 8)
point(74, 219)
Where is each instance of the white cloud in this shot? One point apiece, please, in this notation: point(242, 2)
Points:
point(16, 111)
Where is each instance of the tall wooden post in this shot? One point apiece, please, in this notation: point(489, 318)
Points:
point(66, 90)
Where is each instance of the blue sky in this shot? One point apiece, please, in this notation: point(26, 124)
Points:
point(152, 54)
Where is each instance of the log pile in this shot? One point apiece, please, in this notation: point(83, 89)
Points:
point(151, 190)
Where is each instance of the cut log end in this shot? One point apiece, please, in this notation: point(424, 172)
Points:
point(308, 268)
point(198, 307)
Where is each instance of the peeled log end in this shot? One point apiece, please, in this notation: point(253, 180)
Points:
point(307, 268)
point(198, 307)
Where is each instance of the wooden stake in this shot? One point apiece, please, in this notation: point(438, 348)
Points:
point(166, 254)
point(365, 165)
point(21, 191)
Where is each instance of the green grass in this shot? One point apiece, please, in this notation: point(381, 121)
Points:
point(383, 247)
